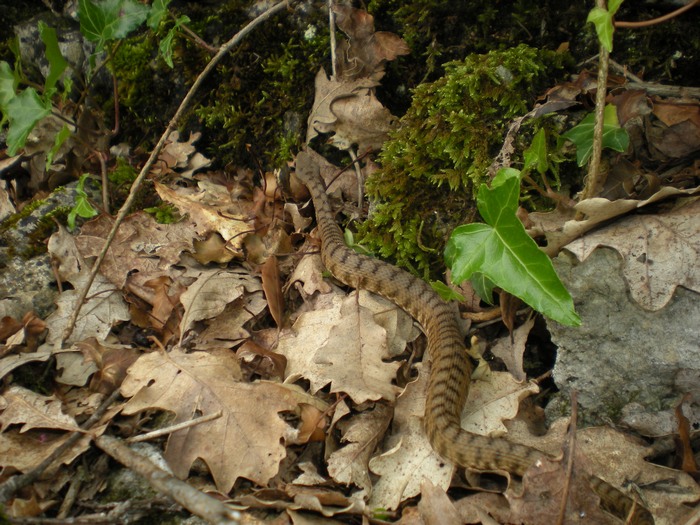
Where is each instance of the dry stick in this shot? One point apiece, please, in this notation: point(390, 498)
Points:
point(9, 487)
point(594, 179)
point(210, 509)
point(225, 49)
point(174, 428)
point(570, 458)
point(660, 19)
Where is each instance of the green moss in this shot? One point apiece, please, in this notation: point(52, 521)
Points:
point(441, 152)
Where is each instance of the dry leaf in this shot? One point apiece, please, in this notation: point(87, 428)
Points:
point(351, 111)
point(212, 290)
point(272, 287)
point(341, 343)
point(659, 252)
point(245, 442)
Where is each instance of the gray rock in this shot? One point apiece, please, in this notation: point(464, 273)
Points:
point(622, 353)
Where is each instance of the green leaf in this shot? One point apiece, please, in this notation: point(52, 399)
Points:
point(57, 64)
point(166, 45)
point(157, 13)
point(104, 20)
point(444, 291)
point(504, 253)
point(82, 207)
point(8, 82)
point(613, 6)
point(483, 287)
point(614, 137)
point(23, 112)
point(603, 22)
point(536, 155)
point(58, 141)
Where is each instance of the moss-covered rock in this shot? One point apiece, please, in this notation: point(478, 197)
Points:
point(443, 148)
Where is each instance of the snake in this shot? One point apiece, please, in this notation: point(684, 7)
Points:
point(451, 366)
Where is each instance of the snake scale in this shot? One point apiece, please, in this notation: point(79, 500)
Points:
point(450, 369)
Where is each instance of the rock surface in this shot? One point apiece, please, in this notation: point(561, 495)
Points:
point(622, 353)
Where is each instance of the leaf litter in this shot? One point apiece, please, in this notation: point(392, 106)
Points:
point(339, 354)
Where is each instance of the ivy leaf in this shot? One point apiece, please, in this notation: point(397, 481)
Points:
point(57, 63)
point(157, 13)
point(23, 112)
point(483, 287)
point(444, 291)
point(166, 45)
point(101, 21)
point(614, 137)
point(614, 5)
point(504, 253)
point(536, 155)
point(82, 207)
point(603, 21)
point(7, 86)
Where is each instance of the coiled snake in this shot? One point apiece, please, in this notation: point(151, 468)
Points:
point(450, 369)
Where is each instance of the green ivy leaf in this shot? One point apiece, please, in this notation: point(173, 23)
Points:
point(7, 88)
point(82, 207)
point(614, 137)
point(483, 287)
point(535, 155)
point(58, 141)
point(603, 22)
point(444, 291)
point(104, 20)
point(166, 45)
point(504, 253)
point(57, 64)
point(157, 13)
point(613, 6)
point(23, 112)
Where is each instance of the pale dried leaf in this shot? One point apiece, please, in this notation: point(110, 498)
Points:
point(342, 344)
point(435, 506)
point(361, 433)
point(511, 352)
point(206, 213)
point(659, 252)
point(244, 443)
point(23, 407)
point(213, 289)
point(351, 111)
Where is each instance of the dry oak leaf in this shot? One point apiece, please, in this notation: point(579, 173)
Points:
point(25, 448)
point(21, 406)
point(212, 290)
point(209, 212)
point(659, 252)
point(361, 433)
point(245, 442)
point(666, 491)
point(142, 250)
point(559, 231)
point(351, 111)
point(341, 343)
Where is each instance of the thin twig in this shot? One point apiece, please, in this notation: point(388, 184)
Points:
point(174, 428)
point(659, 20)
point(223, 51)
point(595, 179)
point(331, 28)
point(570, 458)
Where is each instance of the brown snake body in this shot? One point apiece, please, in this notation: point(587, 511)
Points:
point(450, 370)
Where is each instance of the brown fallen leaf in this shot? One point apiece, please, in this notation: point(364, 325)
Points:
point(660, 252)
point(351, 111)
point(246, 442)
point(272, 287)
